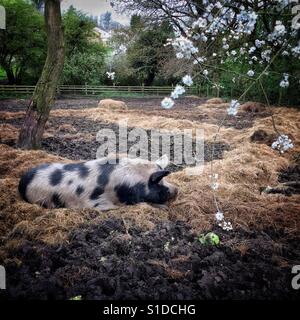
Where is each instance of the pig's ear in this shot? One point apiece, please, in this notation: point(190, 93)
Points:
point(157, 176)
point(163, 161)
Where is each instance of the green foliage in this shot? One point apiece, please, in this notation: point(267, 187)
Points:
point(22, 43)
point(85, 67)
point(85, 55)
point(76, 298)
point(235, 82)
point(146, 52)
point(209, 239)
point(23, 46)
point(78, 30)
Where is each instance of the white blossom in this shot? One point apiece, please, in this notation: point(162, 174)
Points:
point(296, 50)
point(167, 103)
point(251, 50)
point(111, 75)
point(279, 32)
point(266, 55)
point(179, 90)
point(219, 216)
point(250, 73)
point(284, 83)
point(283, 143)
point(205, 72)
point(259, 43)
point(187, 80)
point(184, 47)
point(200, 23)
point(232, 110)
point(246, 21)
point(179, 55)
point(225, 225)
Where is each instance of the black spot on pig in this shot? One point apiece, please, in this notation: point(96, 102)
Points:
point(96, 193)
point(56, 177)
point(131, 195)
point(25, 181)
point(57, 202)
point(79, 190)
point(158, 194)
point(79, 167)
point(27, 178)
point(157, 176)
point(105, 171)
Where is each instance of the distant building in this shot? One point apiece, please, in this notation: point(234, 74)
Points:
point(102, 35)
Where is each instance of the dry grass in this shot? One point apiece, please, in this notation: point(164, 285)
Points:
point(7, 132)
point(251, 106)
point(214, 101)
point(110, 104)
point(242, 173)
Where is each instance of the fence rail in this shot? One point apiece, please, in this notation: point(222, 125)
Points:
point(98, 90)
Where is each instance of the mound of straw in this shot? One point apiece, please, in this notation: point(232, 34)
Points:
point(111, 104)
point(243, 172)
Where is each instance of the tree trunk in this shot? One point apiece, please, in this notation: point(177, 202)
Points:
point(10, 75)
point(42, 100)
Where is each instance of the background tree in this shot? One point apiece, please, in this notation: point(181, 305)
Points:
point(22, 43)
point(85, 53)
point(145, 52)
point(39, 4)
point(231, 38)
point(38, 111)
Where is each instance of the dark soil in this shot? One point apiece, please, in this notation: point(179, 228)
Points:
point(291, 173)
point(261, 136)
point(76, 148)
point(290, 177)
point(185, 108)
point(14, 105)
point(102, 261)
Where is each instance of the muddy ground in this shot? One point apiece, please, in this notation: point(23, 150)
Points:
point(116, 258)
point(106, 262)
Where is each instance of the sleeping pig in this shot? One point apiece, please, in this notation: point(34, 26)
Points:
point(97, 183)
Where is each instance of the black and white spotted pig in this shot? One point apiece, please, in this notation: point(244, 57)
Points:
point(97, 183)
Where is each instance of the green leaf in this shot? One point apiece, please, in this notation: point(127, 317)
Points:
point(76, 298)
point(209, 239)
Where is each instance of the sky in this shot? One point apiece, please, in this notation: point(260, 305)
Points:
point(95, 8)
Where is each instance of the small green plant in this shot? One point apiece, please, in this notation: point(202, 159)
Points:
point(76, 298)
point(209, 239)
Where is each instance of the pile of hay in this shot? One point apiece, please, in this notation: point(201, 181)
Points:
point(253, 107)
point(214, 101)
point(245, 170)
point(111, 104)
